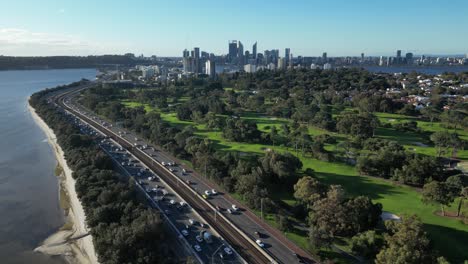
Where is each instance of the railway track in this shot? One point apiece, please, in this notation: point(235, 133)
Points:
point(239, 241)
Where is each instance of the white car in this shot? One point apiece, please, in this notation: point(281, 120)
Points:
point(207, 193)
point(259, 243)
point(172, 202)
point(184, 232)
point(199, 238)
point(191, 221)
point(197, 248)
point(228, 250)
point(184, 170)
point(213, 191)
point(229, 211)
point(234, 207)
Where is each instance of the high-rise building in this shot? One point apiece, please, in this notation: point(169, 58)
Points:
point(186, 53)
point(210, 68)
point(324, 57)
point(188, 64)
point(287, 51)
point(232, 50)
point(281, 63)
point(254, 51)
point(362, 57)
point(409, 58)
point(196, 57)
point(398, 56)
point(240, 53)
point(290, 60)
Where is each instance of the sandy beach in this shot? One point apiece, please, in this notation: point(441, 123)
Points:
point(72, 240)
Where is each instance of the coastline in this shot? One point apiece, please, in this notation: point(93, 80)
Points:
point(73, 240)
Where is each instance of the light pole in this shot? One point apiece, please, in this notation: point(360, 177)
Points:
point(212, 256)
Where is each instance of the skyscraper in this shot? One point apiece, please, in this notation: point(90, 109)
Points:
point(324, 57)
point(398, 56)
point(210, 68)
point(196, 52)
point(409, 58)
point(287, 51)
point(186, 53)
point(232, 50)
point(362, 57)
point(240, 53)
point(281, 63)
point(254, 51)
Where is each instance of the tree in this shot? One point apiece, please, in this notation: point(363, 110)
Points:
point(444, 139)
point(407, 244)
point(430, 113)
point(360, 125)
point(438, 193)
point(419, 170)
point(457, 186)
point(308, 190)
point(367, 244)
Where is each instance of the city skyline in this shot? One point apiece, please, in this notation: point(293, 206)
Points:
point(163, 28)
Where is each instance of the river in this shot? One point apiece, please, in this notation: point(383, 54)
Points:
point(29, 206)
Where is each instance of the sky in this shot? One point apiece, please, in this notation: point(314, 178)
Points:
point(166, 27)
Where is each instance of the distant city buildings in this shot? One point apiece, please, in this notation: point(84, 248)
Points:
point(210, 69)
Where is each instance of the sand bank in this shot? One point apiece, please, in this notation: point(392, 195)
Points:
point(72, 240)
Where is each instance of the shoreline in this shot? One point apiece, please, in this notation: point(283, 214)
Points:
point(72, 241)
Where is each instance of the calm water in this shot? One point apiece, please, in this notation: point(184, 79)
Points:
point(425, 70)
point(29, 207)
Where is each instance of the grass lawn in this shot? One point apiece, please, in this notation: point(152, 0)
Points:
point(450, 236)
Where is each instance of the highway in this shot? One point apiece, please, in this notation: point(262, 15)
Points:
point(240, 228)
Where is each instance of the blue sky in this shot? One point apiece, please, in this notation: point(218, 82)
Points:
point(165, 28)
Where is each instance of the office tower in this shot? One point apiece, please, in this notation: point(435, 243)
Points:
point(398, 56)
point(287, 51)
point(196, 57)
point(381, 61)
point(210, 68)
point(240, 53)
point(254, 51)
point(186, 53)
point(188, 64)
point(205, 55)
point(362, 57)
point(290, 60)
point(409, 58)
point(232, 50)
point(324, 57)
point(281, 63)
point(192, 54)
point(327, 66)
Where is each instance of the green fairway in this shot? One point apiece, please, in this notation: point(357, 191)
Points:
point(450, 236)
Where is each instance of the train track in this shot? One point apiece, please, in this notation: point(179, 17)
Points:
point(242, 244)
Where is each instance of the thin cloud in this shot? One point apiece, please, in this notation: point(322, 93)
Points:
point(61, 10)
point(22, 42)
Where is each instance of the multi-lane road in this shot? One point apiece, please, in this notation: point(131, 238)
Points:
point(241, 228)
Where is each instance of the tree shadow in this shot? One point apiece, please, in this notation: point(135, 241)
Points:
point(443, 239)
point(359, 185)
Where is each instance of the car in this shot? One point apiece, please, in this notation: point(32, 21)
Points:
point(183, 203)
point(205, 196)
point(197, 248)
point(188, 182)
point(259, 243)
point(299, 258)
point(229, 210)
point(172, 202)
point(207, 193)
point(191, 221)
point(221, 255)
point(171, 169)
point(184, 232)
point(218, 208)
point(199, 238)
point(228, 250)
point(163, 163)
point(154, 189)
point(214, 192)
point(184, 170)
point(202, 225)
point(148, 190)
point(258, 234)
point(234, 207)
